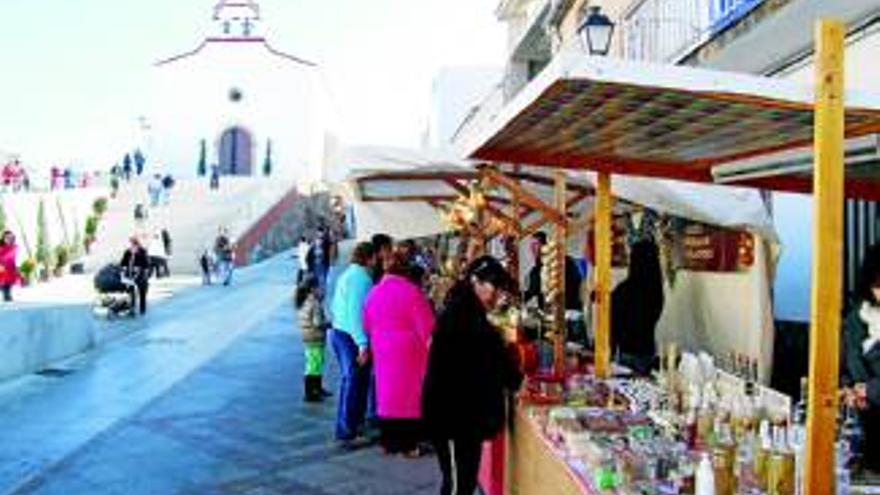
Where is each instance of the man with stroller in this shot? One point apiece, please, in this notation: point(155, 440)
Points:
point(135, 265)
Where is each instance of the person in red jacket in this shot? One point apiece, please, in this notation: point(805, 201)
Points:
point(9, 275)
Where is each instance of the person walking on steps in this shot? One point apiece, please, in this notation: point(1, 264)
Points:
point(313, 325)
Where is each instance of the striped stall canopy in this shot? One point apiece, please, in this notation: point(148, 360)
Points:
point(660, 121)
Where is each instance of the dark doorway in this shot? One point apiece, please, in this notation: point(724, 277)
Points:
point(236, 152)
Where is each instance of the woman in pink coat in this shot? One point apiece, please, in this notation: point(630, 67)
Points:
point(9, 275)
point(399, 320)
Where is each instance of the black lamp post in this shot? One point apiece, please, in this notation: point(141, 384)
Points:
point(596, 32)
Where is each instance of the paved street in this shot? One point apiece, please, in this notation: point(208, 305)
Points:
point(205, 399)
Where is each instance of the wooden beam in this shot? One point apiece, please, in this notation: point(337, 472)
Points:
point(548, 181)
point(603, 276)
point(414, 198)
point(525, 197)
point(418, 176)
point(538, 224)
point(458, 186)
point(561, 238)
point(826, 295)
point(511, 224)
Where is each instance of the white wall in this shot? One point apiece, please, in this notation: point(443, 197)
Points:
point(283, 100)
point(456, 91)
point(792, 213)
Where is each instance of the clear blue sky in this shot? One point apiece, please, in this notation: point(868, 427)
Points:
point(74, 71)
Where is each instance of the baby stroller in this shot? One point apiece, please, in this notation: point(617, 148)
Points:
point(117, 293)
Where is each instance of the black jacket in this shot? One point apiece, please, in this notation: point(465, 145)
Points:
point(856, 365)
point(634, 317)
point(469, 373)
point(136, 266)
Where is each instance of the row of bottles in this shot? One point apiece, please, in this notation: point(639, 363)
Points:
point(769, 460)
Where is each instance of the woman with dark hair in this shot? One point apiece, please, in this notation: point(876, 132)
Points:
point(350, 342)
point(9, 275)
point(860, 349)
point(469, 375)
point(636, 306)
point(399, 320)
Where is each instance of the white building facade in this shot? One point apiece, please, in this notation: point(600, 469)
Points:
point(240, 102)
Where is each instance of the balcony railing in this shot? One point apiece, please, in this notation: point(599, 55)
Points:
point(667, 30)
point(664, 30)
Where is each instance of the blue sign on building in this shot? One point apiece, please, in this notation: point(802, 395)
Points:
point(723, 13)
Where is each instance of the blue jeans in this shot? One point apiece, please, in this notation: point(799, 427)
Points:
point(354, 381)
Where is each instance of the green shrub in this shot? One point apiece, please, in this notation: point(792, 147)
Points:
point(27, 269)
point(99, 207)
point(91, 226)
point(42, 253)
point(62, 257)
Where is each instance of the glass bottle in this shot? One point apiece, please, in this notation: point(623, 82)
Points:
point(762, 454)
point(780, 465)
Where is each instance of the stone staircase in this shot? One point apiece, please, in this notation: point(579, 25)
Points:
point(192, 216)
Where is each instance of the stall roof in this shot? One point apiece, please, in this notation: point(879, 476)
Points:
point(409, 180)
point(656, 120)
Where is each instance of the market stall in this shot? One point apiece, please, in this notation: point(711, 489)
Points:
point(531, 192)
point(618, 117)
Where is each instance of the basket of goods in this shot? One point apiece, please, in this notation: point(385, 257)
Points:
point(543, 390)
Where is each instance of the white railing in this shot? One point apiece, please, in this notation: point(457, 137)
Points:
point(666, 30)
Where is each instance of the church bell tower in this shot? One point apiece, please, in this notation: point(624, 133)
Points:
point(237, 18)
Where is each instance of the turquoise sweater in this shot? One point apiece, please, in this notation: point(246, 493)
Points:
point(348, 302)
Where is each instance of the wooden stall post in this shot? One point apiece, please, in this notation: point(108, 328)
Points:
point(560, 190)
point(827, 258)
point(603, 276)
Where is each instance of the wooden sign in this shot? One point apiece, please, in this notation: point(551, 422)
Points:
point(705, 248)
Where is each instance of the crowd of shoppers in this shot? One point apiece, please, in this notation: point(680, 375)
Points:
point(440, 376)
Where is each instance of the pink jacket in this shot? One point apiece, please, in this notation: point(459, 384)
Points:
point(399, 321)
point(8, 269)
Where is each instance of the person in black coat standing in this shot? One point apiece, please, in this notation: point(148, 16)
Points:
point(636, 306)
point(135, 265)
point(469, 376)
point(860, 354)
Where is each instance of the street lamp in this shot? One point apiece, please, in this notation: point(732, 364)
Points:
point(596, 31)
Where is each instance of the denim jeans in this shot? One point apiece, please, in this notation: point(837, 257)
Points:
point(354, 381)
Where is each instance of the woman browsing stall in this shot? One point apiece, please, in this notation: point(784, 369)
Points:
point(469, 375)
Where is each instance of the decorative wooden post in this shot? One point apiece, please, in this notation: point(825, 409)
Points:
point(561, 240)
point(827, 258)
point(603, 276)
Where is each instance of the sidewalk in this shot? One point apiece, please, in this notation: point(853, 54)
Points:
point(207, 400)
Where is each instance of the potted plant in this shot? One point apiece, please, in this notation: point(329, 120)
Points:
point(62, 258)
point(91, 232)
point(27, 269)
point(99, 207)
point(43, 254)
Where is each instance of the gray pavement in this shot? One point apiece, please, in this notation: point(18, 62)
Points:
point(204, 398)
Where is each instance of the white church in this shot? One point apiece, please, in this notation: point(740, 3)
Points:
point(240, 99)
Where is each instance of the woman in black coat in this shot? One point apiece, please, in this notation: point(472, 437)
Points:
point(860, 349)
point(469, 376)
